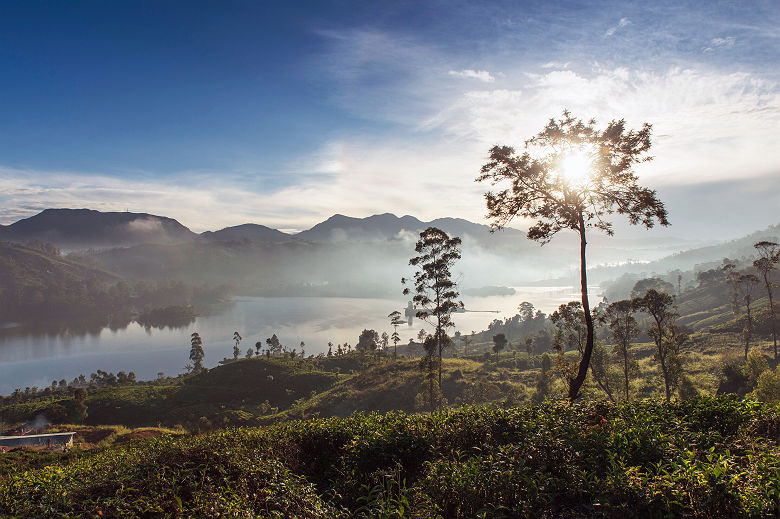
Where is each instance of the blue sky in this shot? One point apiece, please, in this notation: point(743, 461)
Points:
point(283, 113)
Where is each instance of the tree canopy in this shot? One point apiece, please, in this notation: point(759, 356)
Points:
point(572, 175)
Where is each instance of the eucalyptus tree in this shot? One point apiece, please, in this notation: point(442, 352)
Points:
point(237, 340)
point(747, 284)
point(659, 306)
point(619, 318)
point(196, 352)
point(435, 297)
point(395, 321)
point(768, 256)
point(572, 175)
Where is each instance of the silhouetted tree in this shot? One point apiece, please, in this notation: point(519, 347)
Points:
point(732, 278)
point(435, 296)
point(619, 318)
point(303, 352)
point(258, 347)
point(747, 285)
point(395, 321)
point(196, 352)
point(330, 349)
point(499, 343)
point(659, 306)
point(768, 256)
point(237, 340)
point(274, 345)
point(249, 353)
point(467, 341)
point(570, 327)
point(546, 188)
point(529, 346)
point(427, 365)
point(368, 340)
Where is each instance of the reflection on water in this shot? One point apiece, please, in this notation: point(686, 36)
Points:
point(34, 356)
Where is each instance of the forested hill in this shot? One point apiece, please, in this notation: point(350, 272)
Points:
point(85, 228)
point(42, 280)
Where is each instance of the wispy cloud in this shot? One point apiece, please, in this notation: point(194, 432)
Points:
point(555, 64)
point(725, 43)
point(482, 75)
point(612, 30)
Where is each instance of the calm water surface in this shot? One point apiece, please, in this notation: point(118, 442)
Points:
point(35, 357)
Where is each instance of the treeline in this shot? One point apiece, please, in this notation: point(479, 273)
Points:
point(44, 287)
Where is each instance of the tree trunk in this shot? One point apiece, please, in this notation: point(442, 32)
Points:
point(666, 375)
point(576, 383)
point(659, 344)
point(625, 370)
point(771, 314)
point(748, 329)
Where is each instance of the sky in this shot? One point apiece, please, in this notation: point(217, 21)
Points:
point(284, 113)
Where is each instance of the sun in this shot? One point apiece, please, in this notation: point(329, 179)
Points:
point(575, 167)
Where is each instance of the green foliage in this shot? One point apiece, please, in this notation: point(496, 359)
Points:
point(704, 457)
point(223, 474)
point(768, 386)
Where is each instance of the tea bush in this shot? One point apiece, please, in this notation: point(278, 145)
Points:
point(705, 457)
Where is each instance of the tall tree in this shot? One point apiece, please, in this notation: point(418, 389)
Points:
point(732, 277)
point(428, 367)
point(196, 352)
point(619, 318)
point(659, 306)
point(435, 296)
point(768, 256)
point(237, 340)
point(571, 176)
point(395, 321)
point(499, 343)
point(274, 344)
point(747, 285)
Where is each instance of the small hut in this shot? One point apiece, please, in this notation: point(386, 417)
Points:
point(49, 440)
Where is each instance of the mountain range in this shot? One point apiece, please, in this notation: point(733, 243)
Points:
point(343, 255)
point(85, 229)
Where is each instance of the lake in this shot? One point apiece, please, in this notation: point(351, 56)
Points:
point(35, 357)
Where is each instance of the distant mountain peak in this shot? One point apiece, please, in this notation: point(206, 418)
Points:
point(88, 228)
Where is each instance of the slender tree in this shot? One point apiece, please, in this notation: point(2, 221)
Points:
point(747, 285)
point(435, 296)
point(659, 306)
point(395, 321)
point(732, 277)
point(196, 352)
point(619, 318)
point(576, 176)
point(237, 340)
point(467, 341)
point(768, 256)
